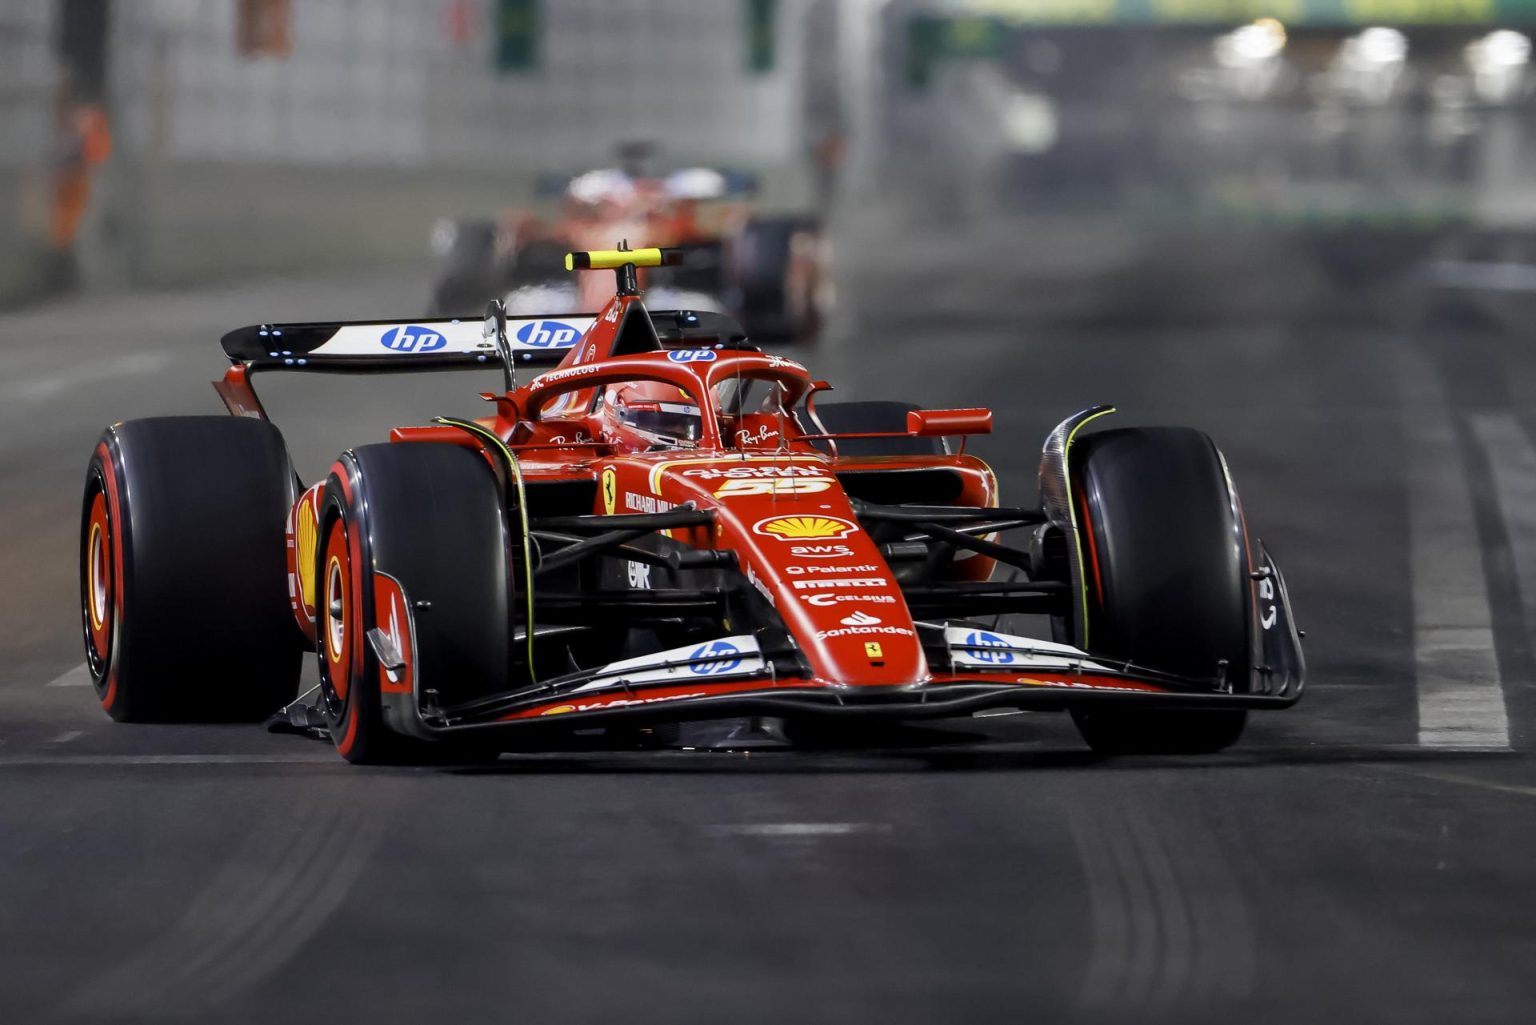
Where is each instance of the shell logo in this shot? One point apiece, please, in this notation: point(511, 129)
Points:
point(306, 535)
point(804, 528)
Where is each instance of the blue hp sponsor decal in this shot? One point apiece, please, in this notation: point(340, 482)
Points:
point(729, 658)
point(412, 338)
point(985, 647)
point(691, 356)
point(548, 334)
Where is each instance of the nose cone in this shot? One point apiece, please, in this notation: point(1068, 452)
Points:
point(801, 546)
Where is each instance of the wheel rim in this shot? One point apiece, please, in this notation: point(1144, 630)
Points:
point(96, 597)
point(336, 615)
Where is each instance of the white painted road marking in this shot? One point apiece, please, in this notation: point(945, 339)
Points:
point(1512, 459)
point(80, 676)
point(1460, 692)
point(801, 828)
point(67, 736)
point(63, 761)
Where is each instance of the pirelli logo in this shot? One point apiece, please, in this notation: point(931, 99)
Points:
point(821, 585)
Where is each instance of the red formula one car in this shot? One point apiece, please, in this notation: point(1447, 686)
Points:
point(667, 527)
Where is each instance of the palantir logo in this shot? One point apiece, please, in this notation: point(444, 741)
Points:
point(412, 338)
point(730, 658)
point(985, 647)
point(548, 334)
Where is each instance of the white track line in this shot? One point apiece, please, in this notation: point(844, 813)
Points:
point(80, 676)
point(1460, 693)
point(799, 828)
point(65, 761)
point(1512, 459)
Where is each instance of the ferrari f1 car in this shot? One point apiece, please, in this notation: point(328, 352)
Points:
point(666, 525)
point(771, 271)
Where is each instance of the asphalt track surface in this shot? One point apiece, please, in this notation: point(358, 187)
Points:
point(1365, 857)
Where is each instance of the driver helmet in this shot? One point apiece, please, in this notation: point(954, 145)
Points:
point(661, 410)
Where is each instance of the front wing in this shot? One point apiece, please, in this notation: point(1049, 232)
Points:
point(1039, 678)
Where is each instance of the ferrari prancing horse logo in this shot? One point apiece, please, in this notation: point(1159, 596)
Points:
point(610, 491)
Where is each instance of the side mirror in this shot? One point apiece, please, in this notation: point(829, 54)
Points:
point(931, 423)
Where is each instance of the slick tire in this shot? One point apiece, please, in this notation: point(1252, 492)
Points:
point(1166, 570)
point(874, 418)
point(427, 518)
point(183, 572)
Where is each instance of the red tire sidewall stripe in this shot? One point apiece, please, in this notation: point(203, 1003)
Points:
point(1093, 546)
point(353, 634)
point(116, 539)
point(338, 563)
point(98, 538)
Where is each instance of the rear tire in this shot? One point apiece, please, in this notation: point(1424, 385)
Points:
point(776, 271)
point(183, 571)
point(1165, 558)
point(428, 518)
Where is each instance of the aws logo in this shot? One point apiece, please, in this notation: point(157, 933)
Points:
point(805, 528)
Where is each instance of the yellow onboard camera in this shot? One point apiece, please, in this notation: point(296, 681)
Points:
point(613, 259)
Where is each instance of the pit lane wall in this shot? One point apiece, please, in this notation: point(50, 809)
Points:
point(337, 143)
point(26, 88)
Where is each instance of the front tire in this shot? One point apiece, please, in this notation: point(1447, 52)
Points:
point(1166, 573)
point(425, 524)
point(183, 572)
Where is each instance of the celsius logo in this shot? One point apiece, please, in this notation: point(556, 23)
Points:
point(412, 338)
point(729, 658)
point(548, 334)
point(985, 647)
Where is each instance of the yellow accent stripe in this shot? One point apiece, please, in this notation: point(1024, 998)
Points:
point(660, 468)
point(522, 508)
point(1082, 565)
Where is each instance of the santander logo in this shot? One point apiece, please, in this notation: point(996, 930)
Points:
point(860, 618)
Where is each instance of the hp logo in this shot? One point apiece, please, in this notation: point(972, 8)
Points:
point(730, 658)
point(691, 356)
point(412, 338)
point(548, 334)
point(985, 647)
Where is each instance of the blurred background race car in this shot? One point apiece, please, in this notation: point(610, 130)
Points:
point(769, 269)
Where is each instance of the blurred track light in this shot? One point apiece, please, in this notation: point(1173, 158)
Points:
point(1251, 44)
point(1374, 47)
point(1498, 63)
point(1504, 48)
point(1030, 122)
point(1368, 66)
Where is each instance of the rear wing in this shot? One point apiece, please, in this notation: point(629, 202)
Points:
point(403, 346)
point(394, 346)
point(416, 346)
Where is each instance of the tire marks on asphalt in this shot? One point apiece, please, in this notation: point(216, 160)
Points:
point(272, 895)
point(1170, 925)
